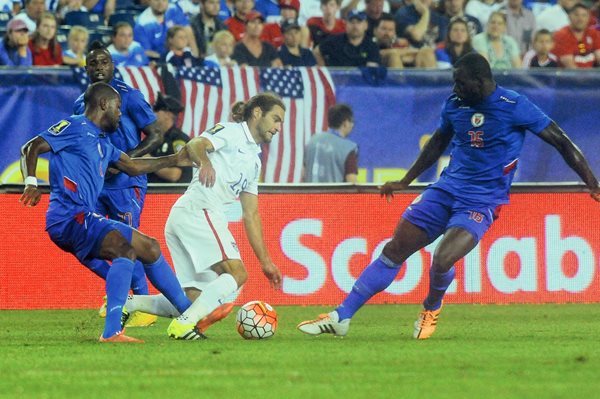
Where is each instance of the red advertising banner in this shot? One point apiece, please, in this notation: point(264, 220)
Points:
point(544, 248)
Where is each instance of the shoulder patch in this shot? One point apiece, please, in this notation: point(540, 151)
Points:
point(57, 128)
point(216, 128)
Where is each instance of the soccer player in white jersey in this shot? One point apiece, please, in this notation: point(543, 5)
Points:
point(205, 254)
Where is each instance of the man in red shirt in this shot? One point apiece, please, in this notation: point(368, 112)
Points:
point(578, 44)
point(323, 27)
point(237, 23)
point(272, 32)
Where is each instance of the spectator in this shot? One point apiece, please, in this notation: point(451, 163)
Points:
point(520, 24)
point(555, 17)
point(458, 43)
point(151, 27)
point(206, 24)
point(32, 13)
point(45, 50)
point(191, 8)
point(328, 24)
point(237, 23)
point(393, 51)
point(14, 49)
point(179, 54)
point(360, 5)
point(290, 53)
point(421, 25)
point(330, 157)
point(450, 9)
point(124, 50)
point(10, 6)
point(374, 9)
point(77, 43)
point(272, 32)
point(352, 48)
point(496, 46)
point(103, 7)
point(167, 109)
point(482, 9)
point(252, 51)
point(578, 44)
point(222, 48)
point(311, 9)
point(541, 56)
point(72, 5)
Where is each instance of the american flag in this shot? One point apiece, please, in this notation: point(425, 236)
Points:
point(308, 93)
point(145, 79)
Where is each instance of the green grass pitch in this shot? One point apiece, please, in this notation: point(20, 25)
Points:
point(516, 351)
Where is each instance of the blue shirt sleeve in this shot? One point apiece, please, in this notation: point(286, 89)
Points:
point(61, 136)
point(445, 126)
point(78, 106)
point(139, 110)
point(112, 153)
point(528, 116)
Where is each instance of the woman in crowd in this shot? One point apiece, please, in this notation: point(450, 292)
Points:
point(501, 50)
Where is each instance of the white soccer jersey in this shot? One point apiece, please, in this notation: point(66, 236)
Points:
point(237, 165)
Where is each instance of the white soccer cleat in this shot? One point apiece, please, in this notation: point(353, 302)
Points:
point(327, 323)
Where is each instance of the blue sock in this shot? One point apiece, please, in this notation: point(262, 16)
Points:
point(118, 281)
point(98, 266)
point(438, 284)
point(163, 278)
point(375, 278)
point(139, 284)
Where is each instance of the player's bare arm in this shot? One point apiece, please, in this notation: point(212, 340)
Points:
point(572, 155)
point(198, 150)
point(29, 158)
point(254, 232)
point(141, 166)
point(430, 154)
point(154, 138)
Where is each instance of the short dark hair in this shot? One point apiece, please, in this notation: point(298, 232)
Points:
point(323, 2)
point(541, 32)
point(97, 92)
point(264, 101)
point(475, 64)
point(386, 17)
point(578, 5)
point(118, 26)
point(338, 114)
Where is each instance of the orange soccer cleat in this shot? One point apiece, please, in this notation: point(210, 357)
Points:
point(426, 323)
point(120, 337)
point(218, 314)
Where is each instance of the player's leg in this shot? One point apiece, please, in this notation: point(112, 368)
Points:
point(210, 299)
point(377, 276)
point(466, 226)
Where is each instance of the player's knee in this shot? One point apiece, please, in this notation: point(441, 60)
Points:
point(240, 275)
point(125, 250)
point(151, 249)
point(394, 252)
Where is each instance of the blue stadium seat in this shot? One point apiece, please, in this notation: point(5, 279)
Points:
point(88, 19)
point(4, 18)
point(128, 16)
point(103, 33)
point(62, 35)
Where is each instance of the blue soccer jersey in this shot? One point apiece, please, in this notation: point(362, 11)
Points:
point(487, 140)
point(136, 114)
point(78, 162)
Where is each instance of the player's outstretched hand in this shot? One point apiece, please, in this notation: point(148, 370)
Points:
point(31, 196)
point(595, 193)
point(273, 274)
point(207, 175)
point(388, 189)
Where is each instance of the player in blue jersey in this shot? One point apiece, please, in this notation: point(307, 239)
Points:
point(485, 124)
point(79, 159)
point(123, 196)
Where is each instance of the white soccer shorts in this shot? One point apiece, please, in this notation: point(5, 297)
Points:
point(197, 239)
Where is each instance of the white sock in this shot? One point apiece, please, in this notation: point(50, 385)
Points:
point(154, 304)
point(211, 298)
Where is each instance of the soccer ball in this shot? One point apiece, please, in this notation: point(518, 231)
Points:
point(256, 320)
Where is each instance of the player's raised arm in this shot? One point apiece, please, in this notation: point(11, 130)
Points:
point(572, 155)
point(254, 232)
point(29, 157)
point(141, 166)
point(432, 151)
point(198, 150)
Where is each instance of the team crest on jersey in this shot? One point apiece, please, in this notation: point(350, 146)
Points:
point(477, 119)
point(216, 128)
point(57, 128)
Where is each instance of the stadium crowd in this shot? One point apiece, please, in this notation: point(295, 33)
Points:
point(336, 33)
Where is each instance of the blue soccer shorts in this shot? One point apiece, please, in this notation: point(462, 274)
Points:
point(124, 205)
point(435, 211)
point(83, 234)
